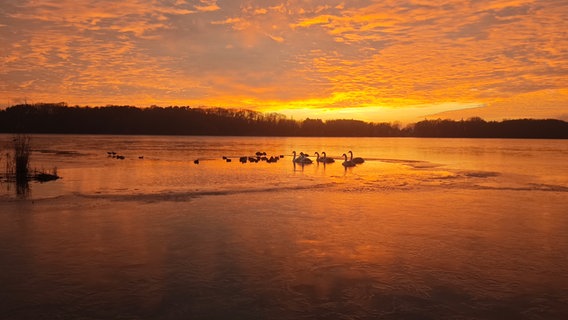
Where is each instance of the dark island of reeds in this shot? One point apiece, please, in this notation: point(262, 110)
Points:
point(17, 166)
point(60, 118)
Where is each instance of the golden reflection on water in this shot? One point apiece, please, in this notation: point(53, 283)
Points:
point(358, 253)
point(393, 238)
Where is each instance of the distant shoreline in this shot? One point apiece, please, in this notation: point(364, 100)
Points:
point(260, 136)
point(44, 118)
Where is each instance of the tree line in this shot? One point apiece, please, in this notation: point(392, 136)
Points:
point(61, 118)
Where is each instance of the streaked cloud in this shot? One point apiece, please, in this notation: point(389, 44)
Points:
point(358, 57)
point(207, 5)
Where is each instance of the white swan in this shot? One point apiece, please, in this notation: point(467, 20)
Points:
point(357, 160)
point(326, 159)
point(318, 159)
point(323, 159)
point(347, 163)
point(302, 159)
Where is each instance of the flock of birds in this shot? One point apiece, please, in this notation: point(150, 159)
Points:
point(114, 155)
point(304, 158)
point(260, 156)
point(301, 158)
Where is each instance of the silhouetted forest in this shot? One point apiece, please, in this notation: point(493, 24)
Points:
point(60, 118)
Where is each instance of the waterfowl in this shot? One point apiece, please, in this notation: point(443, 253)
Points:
point(347, 163)
point(357, 160)
point(326, 159)
point(318, 159)
point(302, 159)
point(323, 159)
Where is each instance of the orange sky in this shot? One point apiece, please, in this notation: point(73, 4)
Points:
point(378, 61)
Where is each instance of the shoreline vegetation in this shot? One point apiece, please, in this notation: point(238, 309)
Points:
point(59, 118)
point(17, 166)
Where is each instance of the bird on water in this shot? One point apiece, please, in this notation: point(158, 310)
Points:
point(357, 160)
point(302, 159)
point(347, 163)
point(326, 159)
point(323, 159)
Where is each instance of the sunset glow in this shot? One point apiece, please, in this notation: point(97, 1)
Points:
point(377, 61)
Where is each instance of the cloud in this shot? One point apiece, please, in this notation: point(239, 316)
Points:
point(72, 49)
point(290, 54)
point(137, 16)
point(452, 51)
point(208, 8)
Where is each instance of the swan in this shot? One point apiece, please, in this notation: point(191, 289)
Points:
point(347, 163)
point(357, 160)
point(323, 159)
point(294, 159)
point(326, 159)
point(302, 159)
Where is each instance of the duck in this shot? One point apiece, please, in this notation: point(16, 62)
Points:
point(357, 160)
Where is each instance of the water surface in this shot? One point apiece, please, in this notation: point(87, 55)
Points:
point(424, 229)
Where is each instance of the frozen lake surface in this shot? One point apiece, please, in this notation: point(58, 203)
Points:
point(424, 229)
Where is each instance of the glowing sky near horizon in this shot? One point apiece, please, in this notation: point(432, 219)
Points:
point(381, 60)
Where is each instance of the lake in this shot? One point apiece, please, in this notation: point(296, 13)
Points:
point(423, 229)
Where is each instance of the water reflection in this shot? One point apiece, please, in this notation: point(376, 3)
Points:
point(423, 229)
point(23, 189)
point(300, 166)
point(167, 165)
point(300, 255)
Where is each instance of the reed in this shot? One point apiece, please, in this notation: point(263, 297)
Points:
point(22, 153)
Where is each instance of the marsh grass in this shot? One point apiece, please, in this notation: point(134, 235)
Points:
point(17, 165)
point(44, 176)
point(22, 154)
